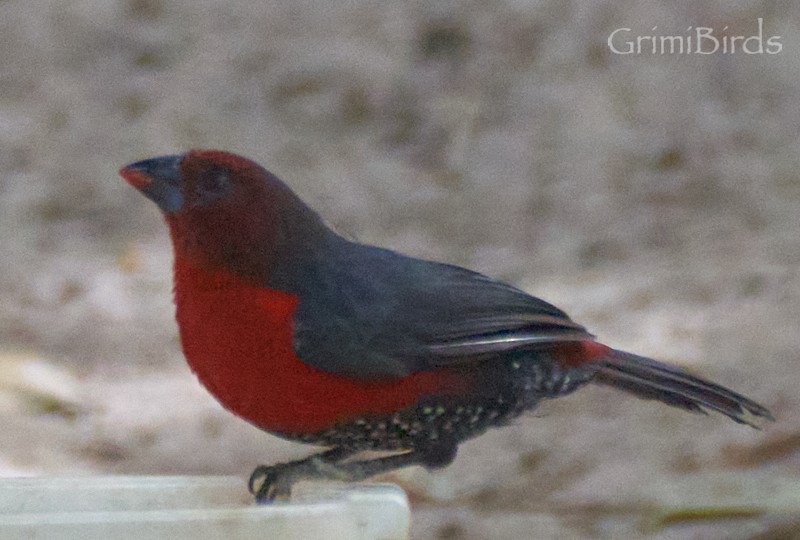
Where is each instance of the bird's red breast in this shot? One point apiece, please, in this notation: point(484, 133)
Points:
point(237, 338)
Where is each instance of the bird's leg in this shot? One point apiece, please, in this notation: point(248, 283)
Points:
point(434, 458)
point(278, 479)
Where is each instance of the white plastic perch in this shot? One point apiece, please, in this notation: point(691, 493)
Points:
point(194, 508)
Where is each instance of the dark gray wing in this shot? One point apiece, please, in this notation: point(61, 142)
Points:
point(372, 313)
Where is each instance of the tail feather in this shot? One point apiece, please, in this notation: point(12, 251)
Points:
point(649, 379)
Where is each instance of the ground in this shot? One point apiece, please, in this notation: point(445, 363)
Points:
point(654, 197)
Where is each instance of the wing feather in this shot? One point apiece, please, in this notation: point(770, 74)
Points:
point(375, 314)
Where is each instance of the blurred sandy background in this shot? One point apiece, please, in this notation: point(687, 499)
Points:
point(655, 198)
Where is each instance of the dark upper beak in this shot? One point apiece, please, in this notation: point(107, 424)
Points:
point(159, 179)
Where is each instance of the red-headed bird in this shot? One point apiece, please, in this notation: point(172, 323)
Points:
point(319, 339)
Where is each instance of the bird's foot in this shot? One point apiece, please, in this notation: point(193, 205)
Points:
point(276, 480)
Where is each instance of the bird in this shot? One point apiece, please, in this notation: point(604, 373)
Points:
point(320, 339)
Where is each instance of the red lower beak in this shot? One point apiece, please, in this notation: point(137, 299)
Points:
point(136, 178)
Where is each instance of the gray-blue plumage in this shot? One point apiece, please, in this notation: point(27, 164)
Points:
point(370, 312)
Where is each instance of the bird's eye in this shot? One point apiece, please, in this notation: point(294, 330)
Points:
point(212, 185)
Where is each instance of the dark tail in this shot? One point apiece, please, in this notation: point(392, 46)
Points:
point(649, 379)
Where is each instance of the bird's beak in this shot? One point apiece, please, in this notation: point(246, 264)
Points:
point(159, 179)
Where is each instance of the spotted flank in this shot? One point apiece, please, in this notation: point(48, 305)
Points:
point(445, 420)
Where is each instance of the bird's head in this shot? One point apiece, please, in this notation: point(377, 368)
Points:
point(224, 211)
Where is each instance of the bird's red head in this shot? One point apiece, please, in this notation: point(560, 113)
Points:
point(224, 211)
point(197, 179)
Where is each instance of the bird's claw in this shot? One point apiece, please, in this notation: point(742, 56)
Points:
point(276, 482)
